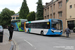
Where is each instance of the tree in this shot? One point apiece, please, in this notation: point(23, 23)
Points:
point(5, 16)
point(24, 11)
point(31, 16)
point(12, 12)
point(39, 10)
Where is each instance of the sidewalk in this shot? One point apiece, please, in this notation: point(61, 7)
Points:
point(5, 45)
point(72, 35)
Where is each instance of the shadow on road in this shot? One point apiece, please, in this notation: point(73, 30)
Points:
point(47, 35)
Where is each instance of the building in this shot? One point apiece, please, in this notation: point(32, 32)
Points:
point(14, 17)
point(62, 9)
point(70, 21)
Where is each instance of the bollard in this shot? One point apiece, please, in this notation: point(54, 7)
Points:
point(1, 38)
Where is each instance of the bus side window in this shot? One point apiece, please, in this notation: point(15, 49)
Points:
point(26, 25)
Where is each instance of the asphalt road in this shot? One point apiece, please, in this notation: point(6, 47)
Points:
point(27, 41)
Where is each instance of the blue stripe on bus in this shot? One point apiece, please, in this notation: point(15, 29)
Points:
point(55, 33)
point(16, 26)
point(51, 33)
point(22, 28)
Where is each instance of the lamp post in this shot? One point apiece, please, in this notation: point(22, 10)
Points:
point(52, 9)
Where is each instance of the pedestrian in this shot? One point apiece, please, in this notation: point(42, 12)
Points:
point(10, 28)
point(67, 30)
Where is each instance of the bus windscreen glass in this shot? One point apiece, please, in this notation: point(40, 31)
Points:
point(56, 24)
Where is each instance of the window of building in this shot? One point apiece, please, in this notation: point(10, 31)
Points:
point(70, 6)
point(51, 8)
point(17, 17)
point(53, 15)
point(48, 16)
point(60, 4)
point(13, 17)
point(45, 17)
point(45, 9)
point(54, 6)
point(74, 5)
point(70, 16)
point(48, 8)
point(60, 14)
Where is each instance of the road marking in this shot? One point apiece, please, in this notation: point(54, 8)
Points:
point(28, 42)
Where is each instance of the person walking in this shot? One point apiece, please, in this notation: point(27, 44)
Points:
point(10, 28)
point(67, 30)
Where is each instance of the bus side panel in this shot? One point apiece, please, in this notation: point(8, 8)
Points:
point(53, 33)
point(45, 31)
point(19, 26)
point(27, 29)
point(35, 30)
point(16, 26)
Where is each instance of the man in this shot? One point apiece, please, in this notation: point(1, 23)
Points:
point(67, 30)
point(10, 28)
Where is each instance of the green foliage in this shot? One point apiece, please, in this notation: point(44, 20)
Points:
point(24, 11)
point(39, 10)
point(19, 12)
point(31, 16)
point(5, 17)
point(12, 12)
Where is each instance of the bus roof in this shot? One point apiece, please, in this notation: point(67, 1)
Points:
point(19, 19)
point(22, 20)
point(46, 20)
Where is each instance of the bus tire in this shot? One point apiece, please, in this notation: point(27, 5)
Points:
point(42, 33)
point(17, 29)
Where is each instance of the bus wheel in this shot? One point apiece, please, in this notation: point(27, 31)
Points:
point(42, 33)
point(17, 29)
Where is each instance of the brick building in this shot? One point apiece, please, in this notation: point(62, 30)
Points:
point(62, 9)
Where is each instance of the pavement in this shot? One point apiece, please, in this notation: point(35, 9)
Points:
point(6, 45)
point(72, 35)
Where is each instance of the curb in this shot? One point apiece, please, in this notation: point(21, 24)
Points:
point(12, 45)
point(15, 45)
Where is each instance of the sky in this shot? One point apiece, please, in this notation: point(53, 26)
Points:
point(15, 5)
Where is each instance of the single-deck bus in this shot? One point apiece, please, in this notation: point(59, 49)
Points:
point(44, 27)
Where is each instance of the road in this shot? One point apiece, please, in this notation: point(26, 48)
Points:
point(26, 41)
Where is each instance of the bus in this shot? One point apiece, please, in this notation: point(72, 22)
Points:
point(44, 27)
point(18, 24)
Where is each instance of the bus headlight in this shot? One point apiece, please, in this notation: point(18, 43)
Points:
point(61, 32)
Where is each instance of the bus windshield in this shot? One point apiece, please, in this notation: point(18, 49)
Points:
point(15, 21)
point(56, 24)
